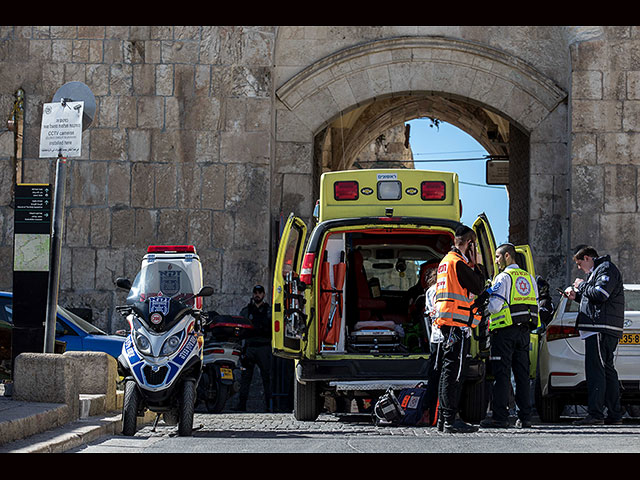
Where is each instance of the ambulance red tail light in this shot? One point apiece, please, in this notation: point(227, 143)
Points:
point(345, 190)
point(433, 190)
point(306, 271)
point(171, 249)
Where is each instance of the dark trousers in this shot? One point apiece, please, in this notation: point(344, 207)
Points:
point(510, 352)
point(260, 356)
point(454, 352)
point(603, 387)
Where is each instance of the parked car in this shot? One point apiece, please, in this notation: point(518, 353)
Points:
point(561, 378)
point(78, 334)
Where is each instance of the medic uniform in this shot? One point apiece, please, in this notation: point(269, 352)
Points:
point(514, 313)
point(456, 287)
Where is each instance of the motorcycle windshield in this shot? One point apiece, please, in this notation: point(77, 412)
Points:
point(162, 279)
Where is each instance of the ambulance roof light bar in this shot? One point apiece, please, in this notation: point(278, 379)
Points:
point(171, 249)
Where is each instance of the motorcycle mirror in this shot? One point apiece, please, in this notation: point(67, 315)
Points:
point(124, 283)
point(205, 291)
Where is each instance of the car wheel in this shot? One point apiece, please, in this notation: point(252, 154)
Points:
point(549, 408)
point(633, 410)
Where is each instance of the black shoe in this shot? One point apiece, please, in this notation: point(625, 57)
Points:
point(520, 423)
point(440, 423)
point(612, 421)
point(490, 422)
point(459, 427)
point(238, 408)
point(589, 420)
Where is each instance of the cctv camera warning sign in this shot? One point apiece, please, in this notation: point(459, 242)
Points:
point(61, 130)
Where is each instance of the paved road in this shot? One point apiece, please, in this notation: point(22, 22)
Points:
point(281, 433)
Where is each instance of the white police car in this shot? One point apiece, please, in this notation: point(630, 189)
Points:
point(561, 378)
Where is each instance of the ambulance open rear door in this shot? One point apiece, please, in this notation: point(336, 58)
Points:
point(289, 313)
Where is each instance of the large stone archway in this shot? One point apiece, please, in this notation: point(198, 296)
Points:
point(405, 74)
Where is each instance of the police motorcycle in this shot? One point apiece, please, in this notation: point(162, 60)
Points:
point(222, 353)
point(161, 359)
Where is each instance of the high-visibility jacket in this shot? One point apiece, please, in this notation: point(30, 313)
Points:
point(522, 306)
point(453, 302)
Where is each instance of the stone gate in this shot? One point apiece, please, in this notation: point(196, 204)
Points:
point(210, 134)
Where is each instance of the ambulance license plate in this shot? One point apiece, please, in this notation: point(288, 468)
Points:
point(226, 373)
point(630, 339)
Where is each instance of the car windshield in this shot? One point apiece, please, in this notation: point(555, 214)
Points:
point(79, 322)
point(162, 279)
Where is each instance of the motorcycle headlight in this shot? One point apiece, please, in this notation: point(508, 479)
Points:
point(172, 343)
point(142, 343)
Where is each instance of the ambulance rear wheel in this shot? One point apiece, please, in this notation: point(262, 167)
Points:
point(474, 401)
point(306, 401)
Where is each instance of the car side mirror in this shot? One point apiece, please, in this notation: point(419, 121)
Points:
point(123, 283)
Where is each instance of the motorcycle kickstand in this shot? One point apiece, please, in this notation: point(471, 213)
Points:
point(155, 422)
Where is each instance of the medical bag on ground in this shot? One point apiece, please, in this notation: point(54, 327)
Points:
point(407, 408)
point(414, 403)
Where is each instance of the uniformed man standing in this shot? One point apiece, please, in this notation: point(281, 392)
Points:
point(514, 313)
point(257, 348)
point(459, 280)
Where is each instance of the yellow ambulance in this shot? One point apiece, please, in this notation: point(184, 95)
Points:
point(344, 299)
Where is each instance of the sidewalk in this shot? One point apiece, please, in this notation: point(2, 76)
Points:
point(34, 427)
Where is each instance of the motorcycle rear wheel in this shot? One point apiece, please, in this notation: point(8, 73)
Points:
point(186, 409)
point(130, 409)
point(217, 404)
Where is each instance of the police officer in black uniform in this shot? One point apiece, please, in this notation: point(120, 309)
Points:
point(257, 348)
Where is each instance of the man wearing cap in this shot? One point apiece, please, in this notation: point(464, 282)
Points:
point(257, 348)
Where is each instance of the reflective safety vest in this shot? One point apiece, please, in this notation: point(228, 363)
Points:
point(453, 302)
point(522, 306)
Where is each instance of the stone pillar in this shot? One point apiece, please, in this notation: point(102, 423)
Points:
point(47, 378)
point(96, 373)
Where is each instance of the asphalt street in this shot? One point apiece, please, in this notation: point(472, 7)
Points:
point(281, 433)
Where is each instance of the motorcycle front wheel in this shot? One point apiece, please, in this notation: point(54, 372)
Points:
point(186, 409)
point(130, 408)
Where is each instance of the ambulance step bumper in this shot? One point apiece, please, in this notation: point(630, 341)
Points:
point(377, 385)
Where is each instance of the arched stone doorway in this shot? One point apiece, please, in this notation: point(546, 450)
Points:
point(504, 103)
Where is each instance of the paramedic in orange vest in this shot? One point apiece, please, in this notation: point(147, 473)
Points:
point(459, 280)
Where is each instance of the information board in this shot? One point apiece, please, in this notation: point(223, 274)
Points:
point(497, 172)
point(31, 265)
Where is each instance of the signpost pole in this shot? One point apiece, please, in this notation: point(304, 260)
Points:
point(63, 122)
point(57, 227)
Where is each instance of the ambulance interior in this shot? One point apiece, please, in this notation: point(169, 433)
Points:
point(382, 298)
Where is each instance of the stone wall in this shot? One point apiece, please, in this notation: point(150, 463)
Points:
point(606, 144)
point(179, 152)
point(206, 134)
